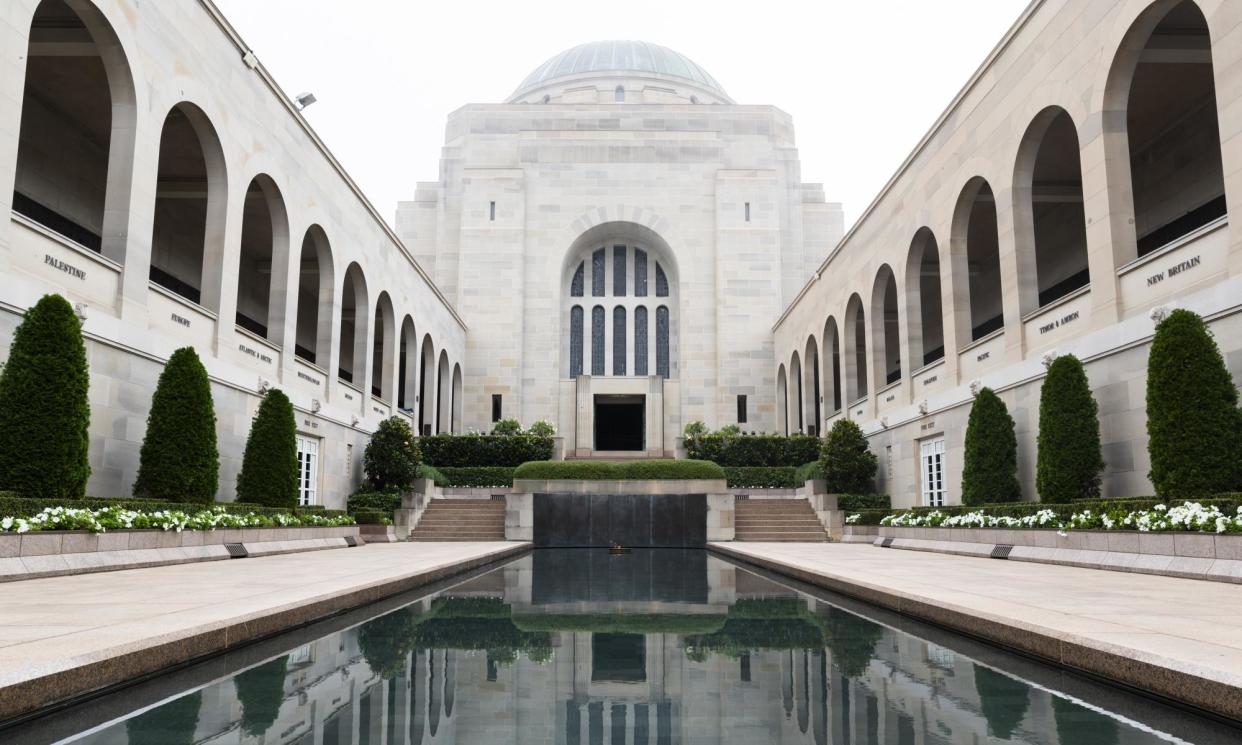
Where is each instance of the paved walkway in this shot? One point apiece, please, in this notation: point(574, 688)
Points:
point(1180, 638)
point(62, 636)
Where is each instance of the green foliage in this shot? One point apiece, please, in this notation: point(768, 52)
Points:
point(621, 623)
point(461, 451)
point(373, 501)
point(990, 465)
point(44, 412)
point(854, 502)
point(694, 429)
point(851, 639)
point(1227, 503)
point(542, 428)
point(634, 470)
point(391, 457)
point(427, 471)
point(269, 472)
point(12, 505)
point(809, 472)
point(868, 517)
point(1194, 428)
point(1077, 723)
point(762, 477)
point(506, 427)
point(478, 476)
point(1069, 463)
point(751, 451)
point(179, 459)
point(730, 430)
point(385, 641)
point(1003, 699)
point(260, 691)
point(173, 723)
point(372, 517)
point(846, 460)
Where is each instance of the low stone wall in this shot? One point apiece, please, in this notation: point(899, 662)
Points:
point(859, 533)
point(1207, 556)
point(50, 553)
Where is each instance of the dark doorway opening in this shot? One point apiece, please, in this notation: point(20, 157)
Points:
point(620, 422)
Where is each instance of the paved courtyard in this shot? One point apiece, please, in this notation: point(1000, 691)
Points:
point(61, 636)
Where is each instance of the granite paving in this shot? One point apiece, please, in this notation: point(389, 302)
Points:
point(1177, 638)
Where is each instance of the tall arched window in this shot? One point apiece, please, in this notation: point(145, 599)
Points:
point(640, 341)
point(796, 415)
point(316, 293)
point(383, 348)
point(597, 340)
point(811, 361)
point(575, 341)
point(264, 248)
point(354, 307)
point(976, 255)
point(444, 400)
point(855, 350)
point(407, 366)
point(832, 362)
point(662, 342)
point(885, 327)
point(618, 340)
point(618, 94)
point(577, 287)
point(75, 147)
point(427, 387)
point(924, 320)
point(782, 400)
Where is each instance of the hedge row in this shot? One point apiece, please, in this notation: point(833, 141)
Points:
point(12, 505)
point(373, 501)
point(477, 476)
point(467, 451)
point(762, 477)
point(751, 451)
point(1228, 503)
point(635, 470)
point(854, 502)
point(809, 471)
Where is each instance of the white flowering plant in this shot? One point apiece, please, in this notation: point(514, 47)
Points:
point(1189, 516)
point(117, 518)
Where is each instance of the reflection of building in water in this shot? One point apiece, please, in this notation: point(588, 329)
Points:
point(746, 662)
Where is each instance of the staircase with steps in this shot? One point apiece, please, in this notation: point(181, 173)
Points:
point(461, 520)
point(776, 520)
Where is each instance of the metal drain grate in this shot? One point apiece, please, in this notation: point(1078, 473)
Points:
point(1001, 552)
point(236, 550)
point(351, 540)
point(886, 543)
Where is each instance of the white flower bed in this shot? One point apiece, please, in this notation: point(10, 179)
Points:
point(116, 518)
point(1189, 516)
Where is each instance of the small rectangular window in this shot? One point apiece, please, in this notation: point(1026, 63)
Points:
point(741, 409)
point(492, 212)
point(497, 407)
point(748, 212)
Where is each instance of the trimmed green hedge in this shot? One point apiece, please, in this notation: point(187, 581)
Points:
point(762, 477)
point(752, 451)
point(1068, 464)
point(621, 623)
point(864, 502)
point(466, 451)
point(634, 470)
point(427, 471)
point(269, 472)
point(372, 517)
point(809, 471)
point(477, 476)
point(990, 462)
point(12, 505)
point(373, 501)
point(1228, 503)
point(179, 457)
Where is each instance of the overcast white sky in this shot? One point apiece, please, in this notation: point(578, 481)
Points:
point(863, 79)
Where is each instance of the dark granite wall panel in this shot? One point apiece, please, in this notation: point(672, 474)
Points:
point(667, 575)
point(632, 520)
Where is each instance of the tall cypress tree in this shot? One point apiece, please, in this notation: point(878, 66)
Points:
point(44, 412)
point(179, 460)
point(1194, 428)
point(847, 461)
point(261, 690)
point(990, 470)
point(269, 473)
point(1069, 463)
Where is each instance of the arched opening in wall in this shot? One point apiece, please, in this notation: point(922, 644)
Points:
point(782, 400)
point(796, 416)
point(407, 367)
point(383, 347)
point(75, 145)
point(315, 297)
point(457, 398)
point(352, 365)
point(1049, 219)
point(617, 264)
point(832, 363)
point(189, 204)
point(855, 350)
point(812, 404)
point(444, 403)
point(264, 244)
point(885, 327)
point(975, 247)
point(427, 387)
point(1163, 79)
point(924, 316)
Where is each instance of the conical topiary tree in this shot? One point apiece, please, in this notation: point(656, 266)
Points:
point(848, 464)
point(391, 458)
point(261, 690)
point(269, 473)
point(990, 468)
point(1004, 701)
point(44, 411)
point(173, 723)
point(1194, 428)
point(179, 460)
point(1068, 463)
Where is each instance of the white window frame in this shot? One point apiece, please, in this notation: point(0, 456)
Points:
point(308, 485)
point(931, 472)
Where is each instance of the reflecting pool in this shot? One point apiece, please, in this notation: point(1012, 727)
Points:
point(582, 647)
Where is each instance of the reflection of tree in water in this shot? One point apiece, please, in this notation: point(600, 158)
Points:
point(260, 691)
point(385, 641)
point(171, 724)
point(1078, 724)
point(851, 639)
point(1003, 699)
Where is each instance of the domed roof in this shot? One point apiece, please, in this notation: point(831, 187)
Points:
point(612, 57)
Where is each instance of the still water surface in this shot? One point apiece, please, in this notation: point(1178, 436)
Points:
point(657, 647)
